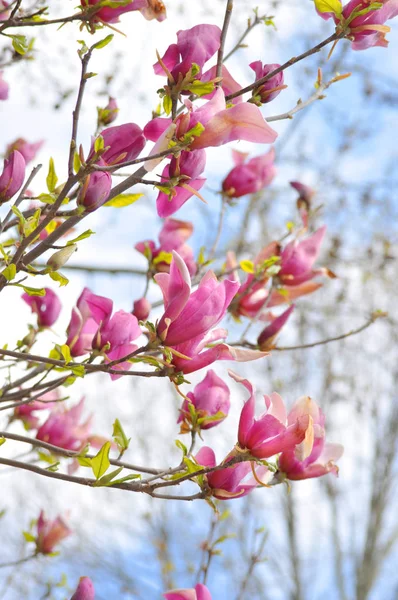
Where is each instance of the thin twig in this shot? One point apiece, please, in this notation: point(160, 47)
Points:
point(224, 31)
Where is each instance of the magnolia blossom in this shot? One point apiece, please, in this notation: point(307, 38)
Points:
point(27, 150)
point(194, 46)
point(304, 199)
point(83, 326)
point(95, 190)
point(47, 307)
point(50, 534)
point(85, 590)
point(12, 177)
point(107, 115)
point(293, 279)
point(26, 412)
point(172, 236)
point(249, 177)
point(313, 457)
point(64, 428)
point(271, 88)
point(150, 9)
point(363, 21)
point(199, 592)
point(210, 400)
point(212, 125)
point(122, 143)
point(231, 482)
point(187, 322)
point(4, 87)
point(228, 83)
point(271, 433)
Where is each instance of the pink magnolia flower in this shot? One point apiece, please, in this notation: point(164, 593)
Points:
point(83, 325)
point(107, 115)
point(187, 315)
point(298, 258)
point(265, 340)
point(95, 190)
point(194, 46)
point(85, 590)
point(141, 309)
point(313, 457)
point(12, 177)
point(115, 333)
point(187, 322)
point(123, 143)
point(4, 87)
point(25, 412)
point(367, 29)
point(64, 429)
point(199, 592)
point(219, 125)
point(172, 236)
point(269, 434)
point(27, 150)
point(50, 533)
point(211, 401)
point(271, 88)
point(47, 307)
point(251, 177)
point(111, 14)
point(231, 482)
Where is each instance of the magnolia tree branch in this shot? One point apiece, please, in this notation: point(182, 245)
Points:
point(224, 31)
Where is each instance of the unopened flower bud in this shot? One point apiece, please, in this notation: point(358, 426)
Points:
point(4, 87)
point(12, 177)
point(270, 89)
point(60, 258)
point(95, 190)
point(85, 590)
point(141, 309)
point(107, 115)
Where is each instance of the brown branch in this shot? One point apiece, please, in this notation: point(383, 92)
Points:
point(286, 65)
point(224, 31)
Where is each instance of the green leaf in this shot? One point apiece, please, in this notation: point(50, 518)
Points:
point(84, 461)
point(99, 144)
point(100, 462)
point(163, 256)
point(79, 371)
point(62, 280)
point(127, 478)
point(9, 272)
point(86, 234)
point(33, 291)
point(2, 440)
point(20, 44)
point(200, 88)
point(65, 351)
point(119, 436)
point(77, 163)
point(106, 479)
point(182, 447)
point(28, 536)
point(47, 198)
point(123, 200)
point(52, 178)
point(18, 213)
point(332, 6)
point(103, 43)
point(195, 131)
point(247, 266)
point(32, 223)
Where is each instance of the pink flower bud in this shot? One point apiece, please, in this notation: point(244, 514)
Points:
point(271, 88)
point(199, 592)
point(267, 337)
point(95, 190)
point(46, 307)
point(12, 177)
point(108, 114)
point(4, 10)
point(4, 87)
point(111, 14)
point(250, 177)
point(85, 590)
point(209, 398)
point(124, 143)
point(27, 150)
point(50, 533)
point(142, 308)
